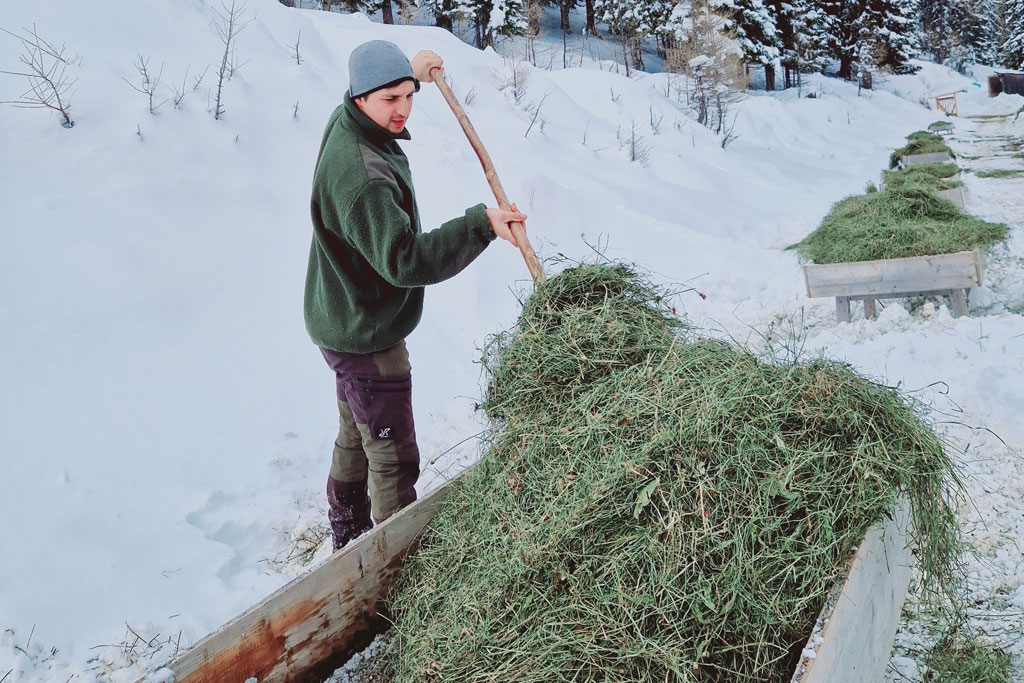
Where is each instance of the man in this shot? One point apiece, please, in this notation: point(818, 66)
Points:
point(368, 264)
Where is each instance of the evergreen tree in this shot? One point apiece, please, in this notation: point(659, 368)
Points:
point(752, 25)
point(493, 17)
point(633, 20)
point(934, 20)
point(850, 25)
point(445, 12)
point(1011, 53)
point(811, 30)
point(970, 27)
point(868, 34)
point(896, 34)
point(803, 37)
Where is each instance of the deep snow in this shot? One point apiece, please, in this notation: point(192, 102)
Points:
point(165, 424)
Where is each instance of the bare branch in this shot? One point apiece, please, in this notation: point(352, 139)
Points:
point(48, 84)
point(230, 23)
point(149, 84)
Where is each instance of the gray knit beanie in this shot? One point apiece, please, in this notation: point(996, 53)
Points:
point(375, 65)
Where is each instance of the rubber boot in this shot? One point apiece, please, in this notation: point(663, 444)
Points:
point(348, 509)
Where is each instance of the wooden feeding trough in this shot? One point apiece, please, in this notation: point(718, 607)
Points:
point(853, 636)
point(941, 127)
point(945, 275)
point(954, 195)
point(931, 158)
point(314, 624)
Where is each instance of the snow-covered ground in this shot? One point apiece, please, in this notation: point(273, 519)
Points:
point(165, 424)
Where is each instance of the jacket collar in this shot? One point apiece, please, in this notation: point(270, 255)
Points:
point(368, 127)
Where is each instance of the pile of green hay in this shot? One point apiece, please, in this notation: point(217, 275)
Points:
point(656, 506)
point(907, 218)
point(934, 176)
point(921, 142)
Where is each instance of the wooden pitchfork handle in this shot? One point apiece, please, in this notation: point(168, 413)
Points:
point(518, 229)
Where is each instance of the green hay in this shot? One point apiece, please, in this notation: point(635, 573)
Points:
point(656, 506)
point(935, 176)
point(962, 659)
point(1001, 173)
point(921, 142)
point(908, 219)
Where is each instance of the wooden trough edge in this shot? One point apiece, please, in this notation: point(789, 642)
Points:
point(852, 639)
point(892, 277)
point(311, 626)
point(315, 623)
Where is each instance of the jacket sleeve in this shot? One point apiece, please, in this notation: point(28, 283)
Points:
point(377, 226)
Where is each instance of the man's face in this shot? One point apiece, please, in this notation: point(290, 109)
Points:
point(389, 107)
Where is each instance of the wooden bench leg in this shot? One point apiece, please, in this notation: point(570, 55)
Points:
point(843, 309)
point(869, 309)
point(959, 299)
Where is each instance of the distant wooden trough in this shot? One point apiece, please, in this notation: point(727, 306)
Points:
point(946, 275)
point(314, 624)
point(954, 195)
point(941, 127)
point(933, 158)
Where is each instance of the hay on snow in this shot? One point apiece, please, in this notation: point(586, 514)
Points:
point(656, 506)
point(908, 217)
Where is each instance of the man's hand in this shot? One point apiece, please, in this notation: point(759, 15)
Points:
point(422, 63)
point(499, 223)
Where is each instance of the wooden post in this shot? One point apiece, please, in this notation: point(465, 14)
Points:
point(959, 302)
point(869, 309)
point(843, 309)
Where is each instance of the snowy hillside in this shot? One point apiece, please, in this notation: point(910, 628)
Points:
point(165, 423)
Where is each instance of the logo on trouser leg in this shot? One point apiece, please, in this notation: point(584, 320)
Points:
point(385, 433)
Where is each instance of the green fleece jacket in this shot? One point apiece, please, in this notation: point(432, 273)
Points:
point(369, 259)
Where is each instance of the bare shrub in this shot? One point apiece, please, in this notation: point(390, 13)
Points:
point(636, 148)
point(228, 24)
point(49, 86)
point(534, 109)
point(149, 83)
point(295, 47)
point(513, 78)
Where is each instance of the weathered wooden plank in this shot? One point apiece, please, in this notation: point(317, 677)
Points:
point(843, 309)
point(932, 158)
point(959, 298)
point(853, 638)
point(869, 309)
point(954, 195)
point(315, 623)
point(891, 277)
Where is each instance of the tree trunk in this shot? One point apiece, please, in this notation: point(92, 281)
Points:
point(591, 28)
point(636, 45)
point(769, 77)
point(564, 6)
point(385, 11)
point(845, 67)
point(443, 21)
point(788, 78)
